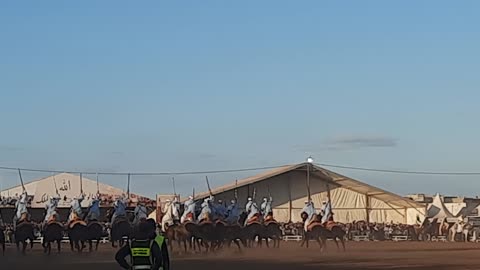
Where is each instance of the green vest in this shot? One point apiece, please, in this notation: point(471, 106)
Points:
point(160, 239)
point(141, 254)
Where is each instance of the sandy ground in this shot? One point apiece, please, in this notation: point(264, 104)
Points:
point(363, 255)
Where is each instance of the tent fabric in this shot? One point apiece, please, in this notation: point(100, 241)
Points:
point(438, 210)
point(351, 200)
point(68, 186)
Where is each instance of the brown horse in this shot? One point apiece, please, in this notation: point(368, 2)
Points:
point(180, 234)
point(321, 233)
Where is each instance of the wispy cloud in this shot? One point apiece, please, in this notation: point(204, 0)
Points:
point(350, 142)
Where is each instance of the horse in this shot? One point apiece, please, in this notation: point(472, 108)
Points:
point(94, 232)
point(253, 229)
point(53, 232)
point(2, 239)
point(23, 232)
point(120, 229)
point(272, 231)
point(77, 232)
point(322, 232)
point(178, 232)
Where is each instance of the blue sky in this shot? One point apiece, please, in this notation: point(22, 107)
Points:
point(199, 85)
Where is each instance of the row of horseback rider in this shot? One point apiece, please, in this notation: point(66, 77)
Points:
point(76, 211)
point(212, 211)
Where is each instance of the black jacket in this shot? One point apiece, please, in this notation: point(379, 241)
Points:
point(160, 257)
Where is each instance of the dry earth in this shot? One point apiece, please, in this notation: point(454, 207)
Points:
point(362, 255)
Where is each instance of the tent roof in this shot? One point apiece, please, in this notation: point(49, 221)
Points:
point(438, 210)
point(324, 174)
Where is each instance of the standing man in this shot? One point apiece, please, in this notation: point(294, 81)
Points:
point(145, 252)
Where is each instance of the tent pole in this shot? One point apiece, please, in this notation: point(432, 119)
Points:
point(367, 207)
point(289, 184)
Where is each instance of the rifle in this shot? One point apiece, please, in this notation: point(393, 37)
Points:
point(55, 184)
point(173, 183)
point(236, 190)
point(21, 179)
point(208, 185)
point(254, 193)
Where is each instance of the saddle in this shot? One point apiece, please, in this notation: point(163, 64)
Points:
point(120, 219)
point(75, 219)
point(269, 219)
point(329, 225)
point(219, 221)
point(188, 217)
point(254, 219)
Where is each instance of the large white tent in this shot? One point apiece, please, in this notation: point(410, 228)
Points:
point(351, 200)
point(68, 186)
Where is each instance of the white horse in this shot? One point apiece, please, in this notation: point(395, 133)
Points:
point(171, 214)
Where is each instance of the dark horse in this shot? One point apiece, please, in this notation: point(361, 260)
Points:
point(24, 232)
point(272, 231)
point(2, 239)
point(53, 232)
point(77, 232)
point(94, 233)
point(321, 233)
point(252, 231)
point(119, 230)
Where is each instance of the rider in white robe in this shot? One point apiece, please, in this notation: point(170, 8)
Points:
point(76, 207)
point(252, 209)
point(189, 207)
point(309, 209)
point(51, 208)
point(21, 207)
point(266, 207)
point(206, 209)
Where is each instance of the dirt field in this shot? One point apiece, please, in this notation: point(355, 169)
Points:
point(364, 255)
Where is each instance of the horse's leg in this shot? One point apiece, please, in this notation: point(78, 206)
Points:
point(24, 247)
point(185, 245)
point(336, 242)
point(319, 243)
point(59, 246)
point(324, 243)
point(343, 243)
point(90, 245)
point(96, 245)
point(71, 245)
point(237, 242)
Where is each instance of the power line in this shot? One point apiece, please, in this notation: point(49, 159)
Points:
point(147, 173)
point(397, 171)
point(242, 170)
